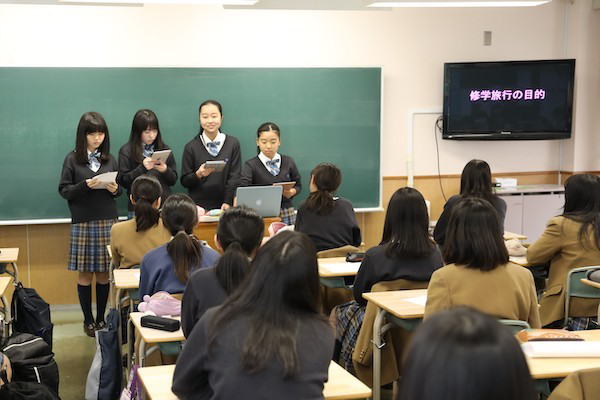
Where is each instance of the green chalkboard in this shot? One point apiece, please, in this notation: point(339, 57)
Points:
point(325, 114)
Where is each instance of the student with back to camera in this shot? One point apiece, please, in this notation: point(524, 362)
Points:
point(477, 271)
point(405, 252)
point(463, 354)
point(93, 212)
point(329, 221)
point(570, 240)
point(135, 156)
point(475, 181)
point(270, 167)
point(269, 339)
point(211, 189)
point(168, 267)
point(239, 234)
point(131, 240)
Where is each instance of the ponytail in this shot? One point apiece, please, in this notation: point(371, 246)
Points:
point(145, 190)
point(320, 202)
point(232, 267)
point(326, 179)
point(146, 216)
point(186, 252)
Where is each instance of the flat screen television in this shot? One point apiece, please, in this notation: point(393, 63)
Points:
point(508, 100)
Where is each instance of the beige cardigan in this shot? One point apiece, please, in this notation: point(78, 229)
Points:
point(128, 246)
point(560, 246)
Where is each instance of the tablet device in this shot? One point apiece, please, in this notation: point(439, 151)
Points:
point(161, 155)
point(217, 165)
point(286, 185)
point(264, 199)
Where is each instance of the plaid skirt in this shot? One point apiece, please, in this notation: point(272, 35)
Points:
point(88, 246)
point(348, 320)
point(288, 216)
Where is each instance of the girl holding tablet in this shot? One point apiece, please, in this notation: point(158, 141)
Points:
point(211, 187)
point(93, 212)
point(270, 167)
point(135, 156)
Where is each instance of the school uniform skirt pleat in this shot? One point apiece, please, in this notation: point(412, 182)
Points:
point(348, 320)
point(288, 215)
point(88, 246)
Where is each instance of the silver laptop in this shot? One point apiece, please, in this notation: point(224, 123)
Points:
point(264, 199)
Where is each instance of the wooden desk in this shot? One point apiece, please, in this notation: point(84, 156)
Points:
point(124, 280)
point(207, 230)
point(4, 284)
point(9, 256)
point(510, 235)
point(396, 305)
point(333, 270)
point(341, 384)
point(149, 335)
point(548, 368)
point(520, 261)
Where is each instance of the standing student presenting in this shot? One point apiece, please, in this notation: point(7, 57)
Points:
point(135, 156)
point(270, 167)
point(208, 187)
point(93, 212)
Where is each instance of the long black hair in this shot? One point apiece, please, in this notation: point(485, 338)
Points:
point(89, 123)
point(582, 204)
point(180, 216)
point(406, 228)
point(463, 354)
point(476, 180)
point(145, 190)
point(240, 232)
point(281, 290)
point(144, 119)
point(327, 178)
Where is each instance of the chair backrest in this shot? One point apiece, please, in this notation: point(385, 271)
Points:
point(337, 252)
point(577, 289)
point(514, 325)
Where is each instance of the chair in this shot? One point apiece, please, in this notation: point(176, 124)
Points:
point(335, 291)
point(514, 325)
point(577, 289)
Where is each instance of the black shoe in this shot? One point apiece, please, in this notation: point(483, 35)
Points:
point(100, 325)
point(89, 329)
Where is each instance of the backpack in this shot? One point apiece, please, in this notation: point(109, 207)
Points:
point(31, 314)
point(26, 391)
point(32, 360)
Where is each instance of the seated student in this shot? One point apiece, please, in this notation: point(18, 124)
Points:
point(329, 221)
point(268, 340)
point(131, 240)
point(463, 354)
point(475, 181)
point(478, 273)
point(405, 252)
point(239, 233)
point(571, 240)
point(168, 267)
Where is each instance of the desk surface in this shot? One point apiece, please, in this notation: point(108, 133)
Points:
point(5, 282)
point(150, 335)
point(336, 266)
point(591, 283)
point(546, 368)
point(510, 235)
point(9, 254)
point(341, 384)
point(128, 278)
point(396, 302)
point(520, 260)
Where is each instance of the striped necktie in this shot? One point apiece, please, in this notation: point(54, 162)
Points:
point(273, 166)
point(213, 148)
point(94, 160)
point(148, 150)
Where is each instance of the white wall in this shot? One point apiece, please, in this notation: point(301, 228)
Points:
point(411, 45)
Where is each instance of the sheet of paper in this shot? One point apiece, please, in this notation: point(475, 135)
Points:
point(519, 260)
point(342, 267)
point(161, 155)
point(136, 275)
point(560, 349)
point(419, 300)
point(105, 179)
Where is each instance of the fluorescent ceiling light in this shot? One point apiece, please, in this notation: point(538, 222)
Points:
point(454, 3)
point(217, 2)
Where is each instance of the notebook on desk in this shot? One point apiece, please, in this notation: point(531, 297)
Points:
point(264, 199)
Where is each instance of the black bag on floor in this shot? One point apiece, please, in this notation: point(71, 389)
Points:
point(31, 314)
point(32, 360)
point(26, 391)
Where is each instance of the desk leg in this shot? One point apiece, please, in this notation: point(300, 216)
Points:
point(111, 288)
point(130, 345)
point(7, 317)
point(377, 324)
point(15, 273)
point(142, 351)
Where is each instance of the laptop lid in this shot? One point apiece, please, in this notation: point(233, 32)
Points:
point(264, 199)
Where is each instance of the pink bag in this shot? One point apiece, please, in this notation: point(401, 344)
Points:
point(161, 303)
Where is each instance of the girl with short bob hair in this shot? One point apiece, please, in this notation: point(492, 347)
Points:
point(239, 234)
point(168, 267)
point(329, 221)
point(269, 334)
point(478, 272)
point(475, 181)
point(570, 240)
point(131, 240)
point(93, 212)
point(135, 156)
point(405, 252)
point(270, 167)
point(463, 354)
